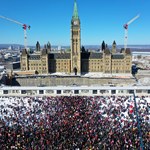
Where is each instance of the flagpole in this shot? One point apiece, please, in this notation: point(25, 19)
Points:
point(138, 123)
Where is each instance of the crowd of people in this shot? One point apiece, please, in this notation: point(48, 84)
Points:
point(73, 123)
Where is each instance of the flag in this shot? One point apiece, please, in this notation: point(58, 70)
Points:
point(131, 109)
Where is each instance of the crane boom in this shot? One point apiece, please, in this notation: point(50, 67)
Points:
point(133, 19)
point(126, 30)
point(11, 20)
point(24, 26)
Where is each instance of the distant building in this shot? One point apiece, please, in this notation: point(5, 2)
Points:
point(2, 58)
point(77, 61)
point(10, 47)
point(59, 48)
point(13, 65)
point(2, 68)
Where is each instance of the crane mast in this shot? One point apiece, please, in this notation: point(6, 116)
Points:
point(24, 26)
point(126, 30)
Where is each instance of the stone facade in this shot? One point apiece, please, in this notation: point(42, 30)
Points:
point(77, 62)
point(71, 80)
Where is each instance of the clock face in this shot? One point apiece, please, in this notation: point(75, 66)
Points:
point(75, 22)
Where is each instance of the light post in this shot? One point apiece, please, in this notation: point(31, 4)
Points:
point(138, 123)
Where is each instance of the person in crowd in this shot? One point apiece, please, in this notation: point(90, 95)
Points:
point(73, 123)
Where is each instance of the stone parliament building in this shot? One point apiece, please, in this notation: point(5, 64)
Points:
point(77, 61)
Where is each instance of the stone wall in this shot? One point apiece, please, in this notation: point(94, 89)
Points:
point(54, 81)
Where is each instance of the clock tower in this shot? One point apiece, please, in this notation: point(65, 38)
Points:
point(75, 42)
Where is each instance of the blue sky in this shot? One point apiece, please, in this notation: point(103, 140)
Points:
point(50, 21)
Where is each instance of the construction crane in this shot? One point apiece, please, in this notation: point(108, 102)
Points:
point(24, 26)
point(126, 30)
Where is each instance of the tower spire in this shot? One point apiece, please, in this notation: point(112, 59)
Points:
point(75, 11)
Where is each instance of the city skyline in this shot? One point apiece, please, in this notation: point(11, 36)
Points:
point(100, 20)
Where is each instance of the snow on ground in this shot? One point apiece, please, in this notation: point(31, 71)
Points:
point(96, 75)
point(103, 75)
point(144, 81)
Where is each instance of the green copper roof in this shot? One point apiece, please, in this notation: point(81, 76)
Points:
point(75, 11)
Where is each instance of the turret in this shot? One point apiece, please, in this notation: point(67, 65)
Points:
point(103, 46)
point(114, 47)
point(48, 47)
point(38, 46)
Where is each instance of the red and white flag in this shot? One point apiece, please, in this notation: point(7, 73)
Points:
point(131, 109)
